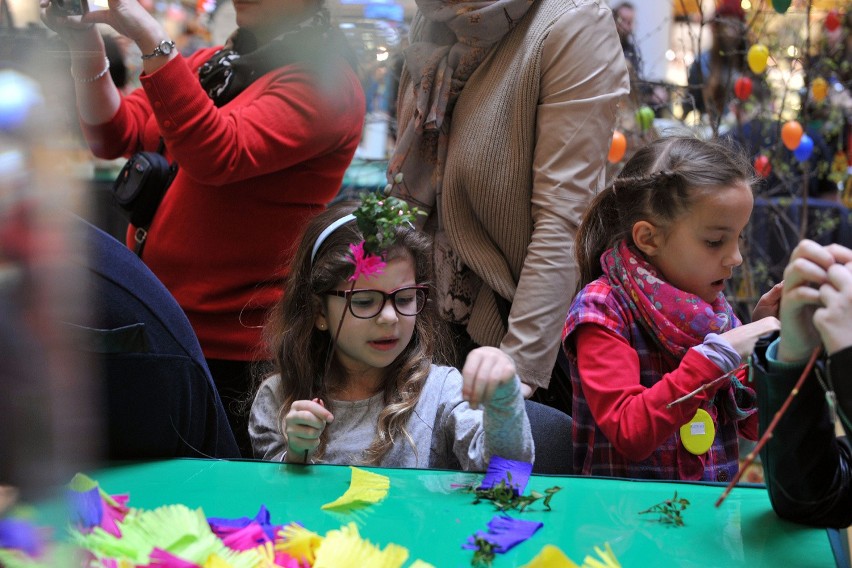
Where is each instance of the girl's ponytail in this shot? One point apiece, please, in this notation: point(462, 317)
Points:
point(597, 230)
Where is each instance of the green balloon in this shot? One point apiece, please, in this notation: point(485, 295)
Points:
point(644, 117)
point(781, 6)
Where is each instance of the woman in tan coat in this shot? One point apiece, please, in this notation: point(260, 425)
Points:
point(506, 113)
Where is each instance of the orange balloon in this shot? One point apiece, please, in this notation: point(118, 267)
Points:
point(617, 147)
point(791, 134)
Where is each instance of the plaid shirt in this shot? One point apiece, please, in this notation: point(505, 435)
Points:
point(593, 452)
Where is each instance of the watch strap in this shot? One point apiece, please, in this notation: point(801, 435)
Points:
point(165, 47)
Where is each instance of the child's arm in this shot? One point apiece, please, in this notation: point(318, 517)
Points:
point(490, 378)
point(634, 418)
point(267, 442)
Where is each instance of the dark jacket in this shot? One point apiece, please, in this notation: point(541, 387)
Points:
point(158, 397)
point(806, 467)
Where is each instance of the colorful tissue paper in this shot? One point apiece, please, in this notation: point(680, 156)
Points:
point(504, 533)
point(22, 535)
point(516, 474)
point(222, 527)
point(90, 506)
point(344, 548)
point(551, 557)
point(365, 487)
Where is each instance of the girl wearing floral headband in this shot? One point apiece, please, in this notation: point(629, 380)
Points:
point(355, 379)
point(655, 349)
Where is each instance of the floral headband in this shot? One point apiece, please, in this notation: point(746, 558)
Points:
point(378, 217)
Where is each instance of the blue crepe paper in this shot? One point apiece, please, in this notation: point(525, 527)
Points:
point(504, 533)
point(18, 534)
point(86, 507)
point(498, 468)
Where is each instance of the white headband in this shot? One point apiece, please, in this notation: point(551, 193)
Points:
point(329, 230)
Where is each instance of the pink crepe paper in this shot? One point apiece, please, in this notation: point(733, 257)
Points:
point(161, 559)
point(246, 538)
point(366, 264)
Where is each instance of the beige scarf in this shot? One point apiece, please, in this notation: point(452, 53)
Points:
point(455, 37)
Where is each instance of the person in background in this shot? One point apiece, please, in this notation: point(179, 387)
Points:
point(712, 75)
point(807, 468)
point(506, 113)
point(262, 130)
point(652, 326)
point(624, 14)
point(642, 92)
point(368, 390)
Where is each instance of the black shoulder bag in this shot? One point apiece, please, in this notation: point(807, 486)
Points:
point(140, 187)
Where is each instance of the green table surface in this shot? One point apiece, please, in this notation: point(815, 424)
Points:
point(423, 513)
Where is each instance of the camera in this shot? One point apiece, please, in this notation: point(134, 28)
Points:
point(71, 7)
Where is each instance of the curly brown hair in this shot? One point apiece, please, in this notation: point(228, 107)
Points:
point(300, 351)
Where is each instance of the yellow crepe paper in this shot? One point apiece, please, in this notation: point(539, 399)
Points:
point(299, 543)
point(365, 487)
point(552, 557)
point(344, 548)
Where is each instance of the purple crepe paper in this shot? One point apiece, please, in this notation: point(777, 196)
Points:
point(222, 527)
point(498, 468)
point(18, 534)
point(87, 507)
point(504, 533)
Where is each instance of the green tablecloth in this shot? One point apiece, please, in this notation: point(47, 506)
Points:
point(423, 513)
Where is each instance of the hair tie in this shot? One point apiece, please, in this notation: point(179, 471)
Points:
point(329, 230)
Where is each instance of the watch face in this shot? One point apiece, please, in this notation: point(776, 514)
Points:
point(166, 47)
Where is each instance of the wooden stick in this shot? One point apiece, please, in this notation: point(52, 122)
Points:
point(703, 388)
point(768, 433)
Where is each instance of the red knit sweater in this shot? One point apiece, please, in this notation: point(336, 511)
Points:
point(251, 173)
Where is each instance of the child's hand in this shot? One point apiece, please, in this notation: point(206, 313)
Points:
point(769, 304)
point(834, 320)
point(303, 426)
point(485, 369)
point(805, 273)
point(744, 338)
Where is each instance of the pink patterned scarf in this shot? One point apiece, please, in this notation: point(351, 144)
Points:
point(678, 320)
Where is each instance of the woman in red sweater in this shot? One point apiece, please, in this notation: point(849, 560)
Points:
point(262, 130)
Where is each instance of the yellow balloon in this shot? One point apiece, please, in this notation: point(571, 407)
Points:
point(819, 89)
point(758, 55)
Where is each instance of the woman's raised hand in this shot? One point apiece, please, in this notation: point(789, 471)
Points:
point(303, 426)
point(484, 370)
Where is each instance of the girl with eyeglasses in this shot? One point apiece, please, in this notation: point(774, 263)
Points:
point(373, 394)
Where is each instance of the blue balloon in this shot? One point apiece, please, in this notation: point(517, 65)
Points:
point(805, 148)
point(18, 94)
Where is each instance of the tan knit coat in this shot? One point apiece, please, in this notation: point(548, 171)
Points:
point(528, 144)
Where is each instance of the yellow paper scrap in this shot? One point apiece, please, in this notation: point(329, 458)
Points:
point(551, 557)
point(608, 559)
point(365, 487)
point(344, 548)
point(420, 564)
point(299, 543)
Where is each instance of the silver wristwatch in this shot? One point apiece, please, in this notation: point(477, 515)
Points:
point(165, 47)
